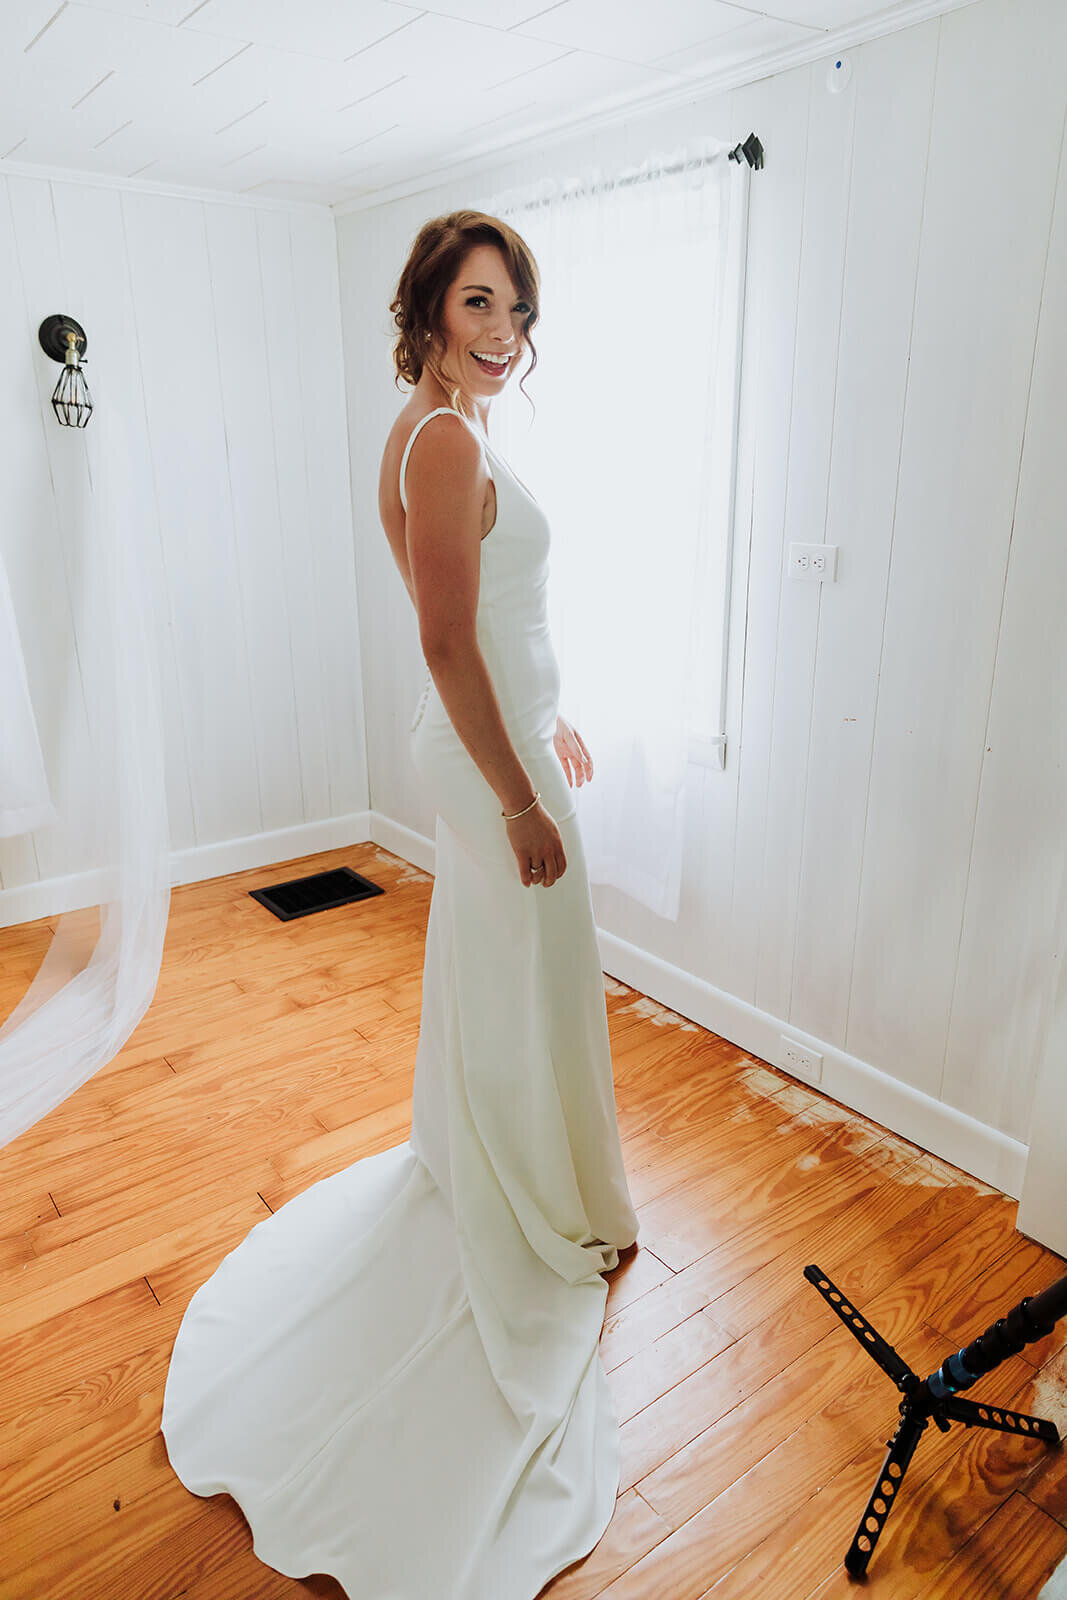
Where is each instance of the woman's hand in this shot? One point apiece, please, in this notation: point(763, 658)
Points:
point(538, 847)
point(574, 757)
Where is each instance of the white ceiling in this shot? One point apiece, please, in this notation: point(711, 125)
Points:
point(329, 101)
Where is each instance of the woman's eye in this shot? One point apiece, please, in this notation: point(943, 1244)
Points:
point(522, 306)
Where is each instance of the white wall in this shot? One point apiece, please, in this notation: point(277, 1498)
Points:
point(877, 866)
point(215, 326)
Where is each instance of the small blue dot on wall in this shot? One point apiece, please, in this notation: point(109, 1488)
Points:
point(838, 74)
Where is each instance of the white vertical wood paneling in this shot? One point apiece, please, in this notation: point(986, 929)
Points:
point(776, 221)
point(170, 270)
point(326, 540)
point(1012, 938)
point(392, 665)
point(981, 267)
point(880, 253)
point(846, 872)
point(827, 172)
point(243, 368)
point(215, 330)
point(289, 423)
point(1042, 1213)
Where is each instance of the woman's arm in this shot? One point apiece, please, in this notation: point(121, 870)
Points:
point(445, 486)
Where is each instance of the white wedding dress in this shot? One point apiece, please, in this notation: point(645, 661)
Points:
point(397, 1375)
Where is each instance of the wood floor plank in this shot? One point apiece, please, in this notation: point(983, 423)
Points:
point(1024, 1268)
point(78, 1543)
point(90, 1267)
point(58, 1450)
point(54, 1356)
point(1011, 1554)
point(666, 1361)
point(1047, 1488)
point(214, 1575)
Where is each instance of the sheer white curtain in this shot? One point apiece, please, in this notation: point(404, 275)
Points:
point(25, 801)
point(631, 454)
point(93, 987)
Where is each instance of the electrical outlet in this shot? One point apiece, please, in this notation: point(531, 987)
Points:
point(817, 562)
point(801, 1062)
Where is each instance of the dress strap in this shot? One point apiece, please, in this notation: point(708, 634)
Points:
point(445, 410)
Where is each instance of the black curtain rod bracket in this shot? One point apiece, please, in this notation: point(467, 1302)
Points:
point(751, 150)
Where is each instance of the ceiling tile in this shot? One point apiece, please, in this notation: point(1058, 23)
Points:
point(584, 83)
point(494, 13)
point(464, 52)
point(639, 33)
point(83, 45)
point(752, 40)
point(23, 20)
point(824, 13)
point(313, 27)
point(170, 12)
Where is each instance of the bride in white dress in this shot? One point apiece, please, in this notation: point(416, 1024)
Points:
point(397, 1376)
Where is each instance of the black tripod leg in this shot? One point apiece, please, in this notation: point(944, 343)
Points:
point(986, 1416)
point(876, 1347)
point(901, 1449)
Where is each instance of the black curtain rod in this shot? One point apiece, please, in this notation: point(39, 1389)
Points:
point(751, 151)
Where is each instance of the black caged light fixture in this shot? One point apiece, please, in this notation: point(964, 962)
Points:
point(64, 340)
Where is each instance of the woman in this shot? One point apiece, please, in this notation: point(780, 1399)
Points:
point(397, 1376)
point(438, 509)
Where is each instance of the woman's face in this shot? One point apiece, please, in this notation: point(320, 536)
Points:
point(483, 316)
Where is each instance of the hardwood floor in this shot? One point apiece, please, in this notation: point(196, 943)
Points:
point(752, 1423)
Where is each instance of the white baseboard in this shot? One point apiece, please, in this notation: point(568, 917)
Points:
point(992, 1157)
point(404, 842)
point(52, 896)
point(264, 849)
point(939, 1128)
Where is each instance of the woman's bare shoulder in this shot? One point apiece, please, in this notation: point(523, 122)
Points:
point(447, 444)
point(408, 419)
point(447, 455)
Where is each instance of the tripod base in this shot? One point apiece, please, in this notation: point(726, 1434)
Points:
point(924, 1399)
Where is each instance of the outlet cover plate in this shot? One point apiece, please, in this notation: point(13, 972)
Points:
point(798, 1060)
point(815, 562)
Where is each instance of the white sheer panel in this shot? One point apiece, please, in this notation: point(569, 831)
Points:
point(25, 802)
point(631, 454)
point(93, 988)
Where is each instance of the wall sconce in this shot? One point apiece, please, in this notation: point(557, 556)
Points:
point(64, 340)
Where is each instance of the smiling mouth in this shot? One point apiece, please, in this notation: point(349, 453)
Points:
point(493, 366)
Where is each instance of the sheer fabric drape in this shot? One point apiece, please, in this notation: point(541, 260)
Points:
point(631, 453)
point(100, 971)
point(25, 800)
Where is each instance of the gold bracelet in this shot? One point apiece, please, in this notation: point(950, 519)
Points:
point(524, 810)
